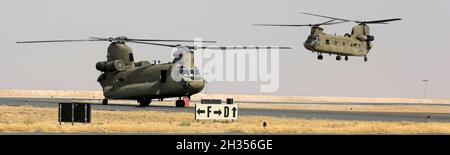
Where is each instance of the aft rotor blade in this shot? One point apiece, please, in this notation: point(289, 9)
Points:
point(55, 41)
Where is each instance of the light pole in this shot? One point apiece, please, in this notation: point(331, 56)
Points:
point(425, 81)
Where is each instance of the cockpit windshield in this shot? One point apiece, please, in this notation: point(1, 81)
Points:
point(193, 74)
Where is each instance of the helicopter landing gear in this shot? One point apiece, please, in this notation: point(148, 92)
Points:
point(105, 101)
point(365, 59)
point(338, 58)
point(320, 57)
point(346, 58)
point(144, 102)
point(179, 103)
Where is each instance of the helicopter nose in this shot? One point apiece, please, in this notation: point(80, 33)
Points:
point(196, 86)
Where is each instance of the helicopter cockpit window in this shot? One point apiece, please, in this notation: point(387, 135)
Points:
point(193, 74)
point(196, 73)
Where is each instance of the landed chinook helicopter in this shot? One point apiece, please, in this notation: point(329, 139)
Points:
point(122, 78)
point(358, 43)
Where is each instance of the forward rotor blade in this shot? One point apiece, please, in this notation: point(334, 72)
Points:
point(281, 25)
point(156, 44)
point(328, 17)
point(240, 47)
point(102, 39)
point(53, 41)
point(332, 23)
point(384, 21)
point(162, 40)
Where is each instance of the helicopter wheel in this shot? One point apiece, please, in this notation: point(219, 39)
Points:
point(144, 102)
point(365, 59)
point(346, 58)
point(338, 58)
point(105, 101)
point(179, 103)
point(320, 57)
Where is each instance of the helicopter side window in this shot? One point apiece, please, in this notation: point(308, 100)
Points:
point(327, 42)
point(131, 56)
point(163, 76)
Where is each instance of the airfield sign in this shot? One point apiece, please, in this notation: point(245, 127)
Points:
point(216, 111)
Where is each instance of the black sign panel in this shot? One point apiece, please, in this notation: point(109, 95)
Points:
point(74, 112)
point(211, 101)
point(229, 100)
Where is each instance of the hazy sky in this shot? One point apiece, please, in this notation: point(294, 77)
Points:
point(404, 52)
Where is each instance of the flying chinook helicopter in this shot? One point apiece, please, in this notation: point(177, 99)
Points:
point(358, 43)
point(122, 78)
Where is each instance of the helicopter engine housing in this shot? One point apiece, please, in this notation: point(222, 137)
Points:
point(116, 65)
point(366, 38)
point(142, 64)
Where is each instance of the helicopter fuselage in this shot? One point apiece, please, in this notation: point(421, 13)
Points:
point(348, 45)
point(122, 78)
point(150, 82)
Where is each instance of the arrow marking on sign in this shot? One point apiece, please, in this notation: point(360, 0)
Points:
point(234, 111)
point(218, 112)
point(200, 111)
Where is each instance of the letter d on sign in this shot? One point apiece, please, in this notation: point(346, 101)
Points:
point(226, 111)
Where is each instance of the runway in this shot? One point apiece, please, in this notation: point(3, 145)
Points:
point(303, 114)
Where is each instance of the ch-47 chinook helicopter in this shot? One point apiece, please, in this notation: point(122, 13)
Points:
point(122, 78)
point(358, 43)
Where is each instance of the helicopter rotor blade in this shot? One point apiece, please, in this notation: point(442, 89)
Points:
point(212, 47)
point(240, 47)
point(125, 39)
point(162, 40)
point(156, 44)
point(280, 25)
point(330, 22)
point(383, 21)
point(334, 18)
point(56, 41)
